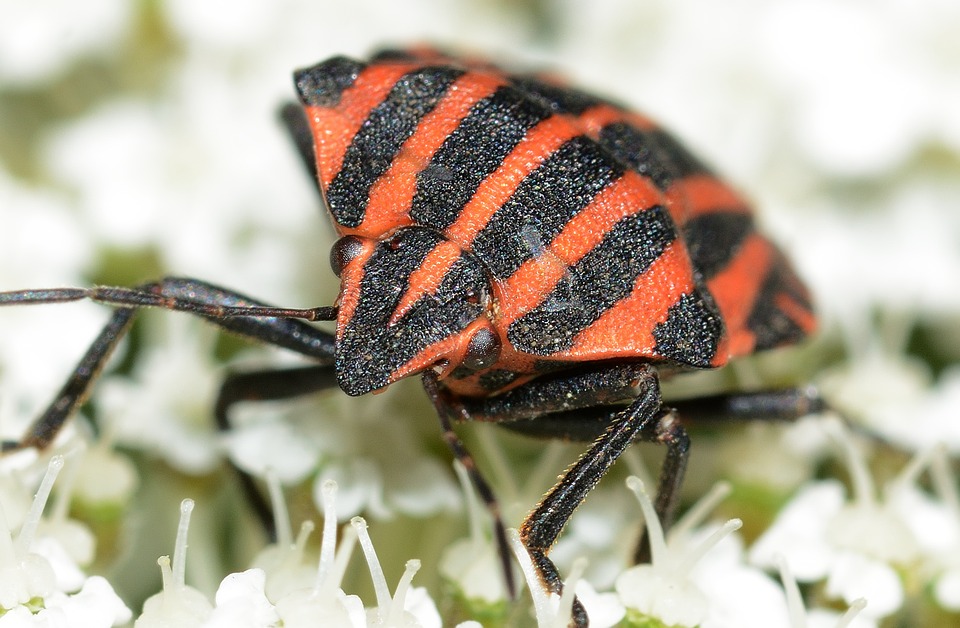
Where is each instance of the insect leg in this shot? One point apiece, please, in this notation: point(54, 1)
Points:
point(483, 489)
point(267, 385)
point(287, 333)
point(544, 524)
point(295, 120)
point(163, 294)
point(787, 404)
point(46, 427)
point(578, 406)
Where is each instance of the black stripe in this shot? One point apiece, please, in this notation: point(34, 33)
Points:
point(714, 239)
point(369, 349)
point(655, 154)
point(392, 55)
point(497, 379)
point(543, 203)
point(323, 84)
point(374, 147)
point(492, 129)
point(770, 325)
point(691, 332)
point(557, 99)
point(594, 284)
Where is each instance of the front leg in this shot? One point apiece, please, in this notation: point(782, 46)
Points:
point(225, 308)
point(543, 525)
point(560, 400)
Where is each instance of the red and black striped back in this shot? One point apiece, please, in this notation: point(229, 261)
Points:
point(603, 237)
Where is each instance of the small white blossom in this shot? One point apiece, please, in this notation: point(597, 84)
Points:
point(40, 582)
point(664, 589)
point(819, 618)
point(241, 602)
point(856, 546)
point(282, 592)
point(178, 604)
point(105, 478)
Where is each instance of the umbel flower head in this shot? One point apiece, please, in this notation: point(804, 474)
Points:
point(278, 594)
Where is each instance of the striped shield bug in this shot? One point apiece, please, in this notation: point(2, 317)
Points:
point(539, 256)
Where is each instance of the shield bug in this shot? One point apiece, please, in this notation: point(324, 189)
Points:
point(539, 256)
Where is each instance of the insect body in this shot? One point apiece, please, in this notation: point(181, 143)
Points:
point(541, 256)
point(591, 233)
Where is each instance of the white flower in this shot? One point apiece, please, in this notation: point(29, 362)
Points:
point(104, 478)
point(40, 582)
point(856, 546)
point(95, 605)
point(800, 618)
point(241, 601)
point(879, 387)
point(284, 593)
point(668, 589)
point(178, 604)
point(331, 438)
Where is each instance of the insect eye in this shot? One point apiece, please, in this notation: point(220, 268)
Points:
point(344, 250)
point(483, 350)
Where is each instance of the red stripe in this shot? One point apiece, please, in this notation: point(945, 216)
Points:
point(334, 128)
point(594, 119)
point(392, 195)
point(426, 279)
point(626, 329)
point(536, 278)
point(736, 288)
point(703, 194)
point(540, 142)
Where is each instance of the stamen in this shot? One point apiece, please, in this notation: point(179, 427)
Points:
point(698, 552)
point(795, 607)
point(911, 472)
point(328, 541)
point(538, 593)
point(344, 551)
point(474, 511)
point(300, 545)
point(281, 516)
point(864, 491)
point(565, 608)
point(61, 502)
point(180, 548)
point(855, 607)
point(658, 547)
point(166, 575)
point(395, 614)
point(373, 564)
point(700, 510)
point(500, 469)
point(29, 527)
point(944, 482)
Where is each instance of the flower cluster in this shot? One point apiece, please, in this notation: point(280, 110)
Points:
point(42, 582)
